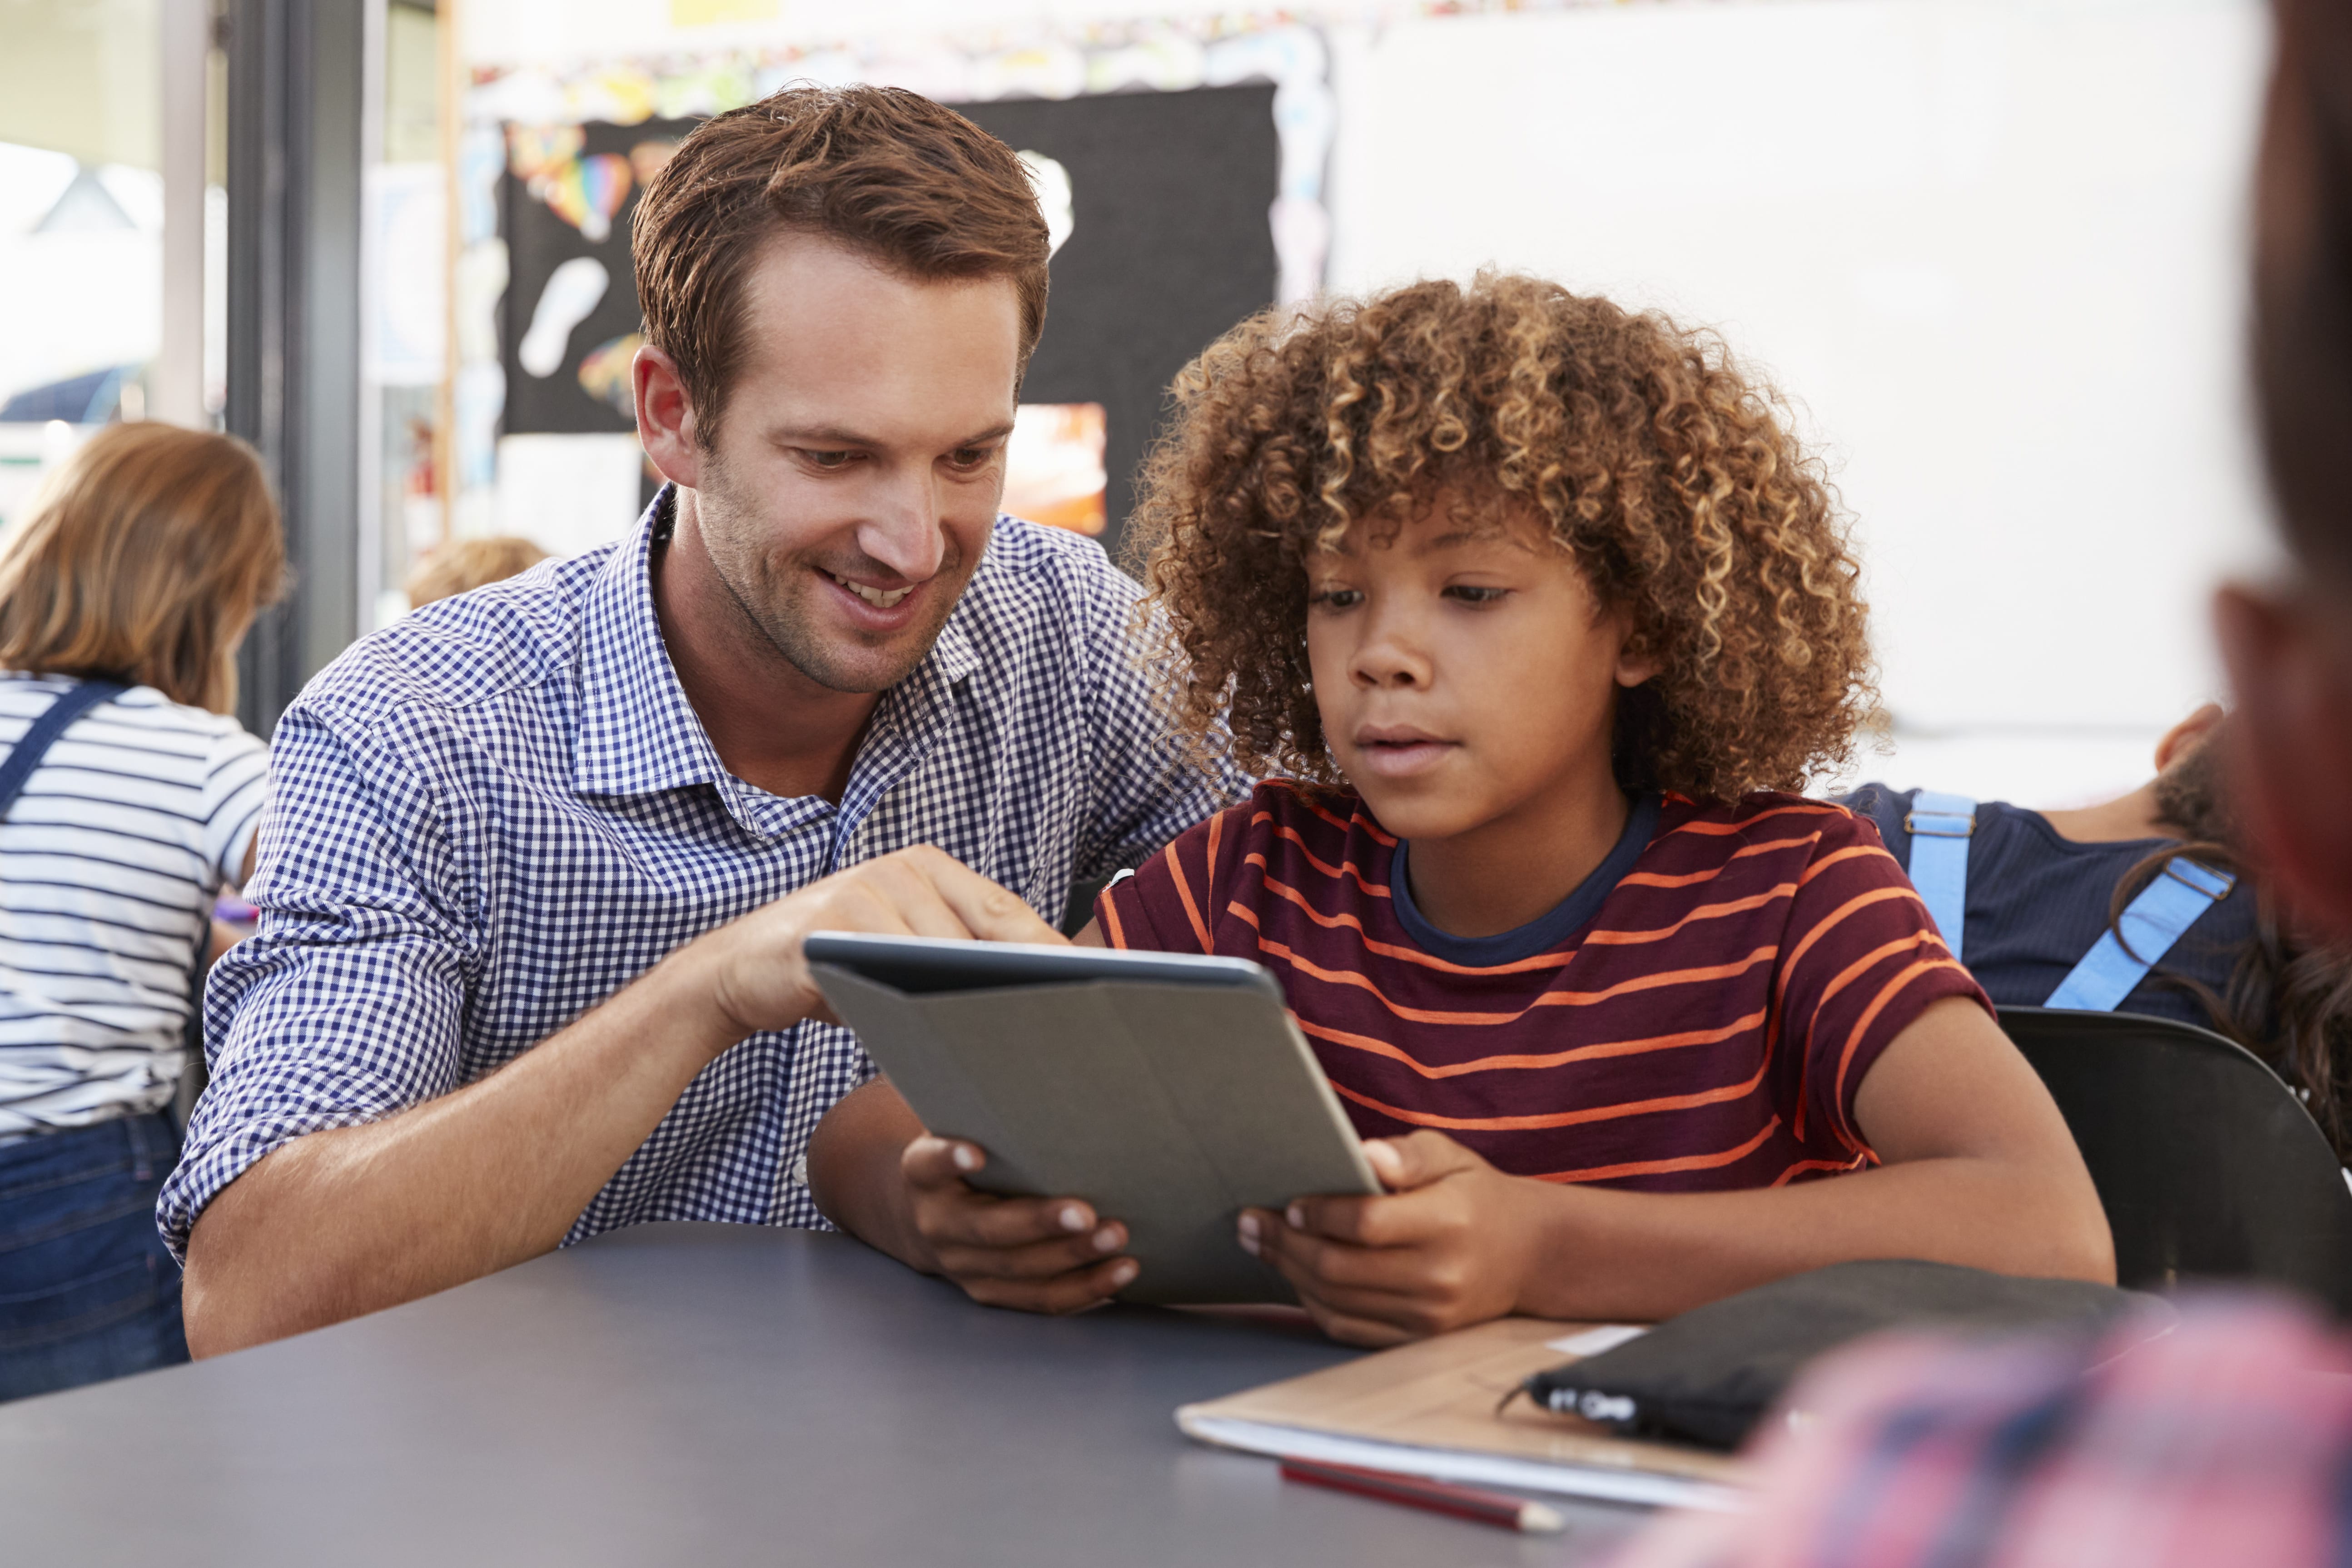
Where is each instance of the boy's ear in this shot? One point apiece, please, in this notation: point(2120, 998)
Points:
point(1637, 661)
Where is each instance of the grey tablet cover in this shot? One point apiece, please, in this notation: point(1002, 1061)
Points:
point(1169, 1104)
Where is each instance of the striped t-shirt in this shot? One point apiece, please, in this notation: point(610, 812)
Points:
point(109, 864)
point(1697, 1015)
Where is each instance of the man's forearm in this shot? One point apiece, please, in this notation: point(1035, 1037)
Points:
point(359, 1218)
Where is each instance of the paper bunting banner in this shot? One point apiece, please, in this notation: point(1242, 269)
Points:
point(534, 152)
point(588, 193)
point(605, 373)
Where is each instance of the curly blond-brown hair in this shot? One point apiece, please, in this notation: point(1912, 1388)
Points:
point(1670, 478)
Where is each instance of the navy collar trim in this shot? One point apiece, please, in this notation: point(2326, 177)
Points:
point(1546, 931)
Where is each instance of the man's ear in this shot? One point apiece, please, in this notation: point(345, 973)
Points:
point(2291, 736)
point(665, 422)
point(2181, 736)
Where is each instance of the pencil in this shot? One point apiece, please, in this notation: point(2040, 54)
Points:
point(1439, 1497)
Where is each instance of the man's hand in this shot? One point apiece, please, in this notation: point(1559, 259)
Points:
point(1038, 1254)
point(1449, 1246)
point(760, 978)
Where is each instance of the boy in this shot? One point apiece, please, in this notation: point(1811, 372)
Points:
point(1538, 604)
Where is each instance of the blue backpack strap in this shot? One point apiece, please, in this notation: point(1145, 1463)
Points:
point(1940, 825)
point(34, 743)
point(2155, 920)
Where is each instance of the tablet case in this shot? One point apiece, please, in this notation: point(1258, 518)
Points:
point(1710, 1375)
point(1169, 1106)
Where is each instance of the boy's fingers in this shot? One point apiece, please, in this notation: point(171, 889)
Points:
point(1037, 1261)
point(1364, 1221)
point(983, 1221)
point(1419, 1158)
point(1335, 1262)
point(1067, 1292)
point(935, 1162)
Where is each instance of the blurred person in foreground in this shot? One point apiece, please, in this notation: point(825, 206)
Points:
point(461, 566)
point(2215, 1443)
point(127, 588)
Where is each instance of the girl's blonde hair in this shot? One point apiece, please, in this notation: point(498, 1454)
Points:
point(143, 562)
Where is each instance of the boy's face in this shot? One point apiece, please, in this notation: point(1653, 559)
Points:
point(1465, 673)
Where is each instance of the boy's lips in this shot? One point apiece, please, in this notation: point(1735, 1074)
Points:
point(1400, 751)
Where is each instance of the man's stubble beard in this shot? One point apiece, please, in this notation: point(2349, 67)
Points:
point(773, 597)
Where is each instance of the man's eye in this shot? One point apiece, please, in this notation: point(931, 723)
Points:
point(971, 457)
point(827, 459)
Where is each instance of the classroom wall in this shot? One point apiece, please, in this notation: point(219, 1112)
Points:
point(1994, 250)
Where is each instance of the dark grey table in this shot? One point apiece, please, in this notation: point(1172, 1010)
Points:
point(687, 1394)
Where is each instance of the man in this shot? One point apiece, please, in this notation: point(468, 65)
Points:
point(542, 855)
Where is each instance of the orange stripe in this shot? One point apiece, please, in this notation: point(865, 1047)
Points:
point(1366, 1043)
point(1346, 868)
point(1559, 1118)
point(1184, 892)
point(1704, 912)
point(1547, 999)
point(1687, 879)
point(1554, 960)
point(1847, 853)
point(1823, 926)
point(1801, 1166)
point(1355, 819)
point(1725, 829)
point(1660, 1168)
point(1107, 907)
point(1854, 1038)
point(1216, 825)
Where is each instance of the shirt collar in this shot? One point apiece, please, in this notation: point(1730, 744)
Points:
point(639, 735)
point(637, 732)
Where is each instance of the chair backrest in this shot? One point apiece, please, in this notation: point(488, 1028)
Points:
point(2208, 1165)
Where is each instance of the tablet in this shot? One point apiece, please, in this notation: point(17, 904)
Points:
point(1170, 1091)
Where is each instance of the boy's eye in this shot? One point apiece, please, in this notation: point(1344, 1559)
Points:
point(1335, 598)
point(1470, 593)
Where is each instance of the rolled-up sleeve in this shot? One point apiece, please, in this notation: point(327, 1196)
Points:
point(345, 1007)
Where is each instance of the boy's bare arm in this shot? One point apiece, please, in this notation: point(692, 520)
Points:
point(1979, 1169)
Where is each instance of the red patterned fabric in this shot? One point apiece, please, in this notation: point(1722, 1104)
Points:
point(2228, 1440)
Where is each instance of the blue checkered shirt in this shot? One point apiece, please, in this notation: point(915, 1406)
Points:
point(492, 815)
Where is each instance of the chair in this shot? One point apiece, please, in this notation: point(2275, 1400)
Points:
point(2207, 1164)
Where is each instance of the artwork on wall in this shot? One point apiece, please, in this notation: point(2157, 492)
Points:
point(1182, 172)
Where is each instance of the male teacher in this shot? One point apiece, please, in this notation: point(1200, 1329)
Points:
point(541, 856)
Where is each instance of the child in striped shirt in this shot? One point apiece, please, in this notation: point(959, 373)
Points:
point(1539, 616)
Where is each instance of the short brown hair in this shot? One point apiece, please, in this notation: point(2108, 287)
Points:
point(908, 183)
point(144, 557)
point(461, 566)
point(1668, 475)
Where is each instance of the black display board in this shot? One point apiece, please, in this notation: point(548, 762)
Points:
point(1170, 246)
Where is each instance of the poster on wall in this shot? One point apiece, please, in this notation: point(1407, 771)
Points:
point(1158, 202)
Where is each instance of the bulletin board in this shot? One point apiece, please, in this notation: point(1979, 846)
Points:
point(1169, 246)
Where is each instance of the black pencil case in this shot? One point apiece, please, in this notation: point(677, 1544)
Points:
point(1707, 1376)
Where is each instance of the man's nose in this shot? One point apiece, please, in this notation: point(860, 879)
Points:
point(903, 532)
